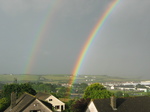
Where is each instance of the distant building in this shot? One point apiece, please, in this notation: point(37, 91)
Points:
point(142, 89)
point(123, 87)
point(145, 83)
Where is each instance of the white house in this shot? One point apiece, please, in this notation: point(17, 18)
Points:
point(56, 103)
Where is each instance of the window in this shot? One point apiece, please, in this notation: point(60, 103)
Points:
point(35, 110)
point(36, 104)
point(50, 99)
point(57, 107)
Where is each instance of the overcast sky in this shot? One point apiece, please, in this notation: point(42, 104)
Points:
point(120, 48)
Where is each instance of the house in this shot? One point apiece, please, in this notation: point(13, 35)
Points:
point(130, 104)
point(56, 103)
point(28, 103)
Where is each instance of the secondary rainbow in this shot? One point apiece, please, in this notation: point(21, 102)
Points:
point(90, 39)
point(39, 37)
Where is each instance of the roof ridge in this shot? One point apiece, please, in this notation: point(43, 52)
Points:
point(30, 94)
point(44, 93)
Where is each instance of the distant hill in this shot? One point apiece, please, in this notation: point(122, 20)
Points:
point(64, 78)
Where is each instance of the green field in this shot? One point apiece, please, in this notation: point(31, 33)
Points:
point(9, 78)
point(62, 78)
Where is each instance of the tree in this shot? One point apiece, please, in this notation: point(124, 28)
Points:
point(42, 87)
point(4, 103)
point(61, 93)
point(1, 86)
point(79, 88)
point(119, 94)
point(96, 91)
point(126, 95)
point(15, 80)
point(140, 86)
point(68, 105)
point(18, 88)
point(80, 105)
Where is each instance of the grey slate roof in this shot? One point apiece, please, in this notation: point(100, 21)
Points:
point(42, 96)
point(23, 102)
point(130, 104)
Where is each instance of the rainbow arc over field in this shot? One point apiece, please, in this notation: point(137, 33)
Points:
point(90, 39)
point(40, 35)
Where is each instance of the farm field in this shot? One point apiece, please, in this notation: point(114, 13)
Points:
point(61, 78)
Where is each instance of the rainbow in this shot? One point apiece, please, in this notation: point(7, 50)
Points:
point(39, 37)
point(90, 39)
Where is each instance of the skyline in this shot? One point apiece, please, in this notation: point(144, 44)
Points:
point(121, 47)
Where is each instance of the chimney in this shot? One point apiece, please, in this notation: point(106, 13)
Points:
point(113, 102)
point(13, 100)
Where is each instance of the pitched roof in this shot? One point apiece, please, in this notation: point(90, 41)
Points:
point(130, 104)
point(23, 102)
point(42, 96)
point(49, 105)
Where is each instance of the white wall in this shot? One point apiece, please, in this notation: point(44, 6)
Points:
point(91, 107)
point(56, 102)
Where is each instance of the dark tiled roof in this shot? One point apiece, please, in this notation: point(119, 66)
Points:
point(42, 96)
point(130, 104)
point(24, 101)
point(49, 105)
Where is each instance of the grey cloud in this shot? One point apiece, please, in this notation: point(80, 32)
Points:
point(14, 7)
point(120, 48)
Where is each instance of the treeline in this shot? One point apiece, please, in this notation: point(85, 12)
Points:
point(1, 86)
point(19, 89)
point(57, 90)
point(94, 91)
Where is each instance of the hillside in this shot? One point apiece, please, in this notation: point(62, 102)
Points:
point(62, 78)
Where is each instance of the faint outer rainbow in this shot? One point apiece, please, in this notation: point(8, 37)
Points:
point(91, 37)
point(39, 37)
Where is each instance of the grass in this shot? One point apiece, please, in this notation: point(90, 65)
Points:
point(61, 78)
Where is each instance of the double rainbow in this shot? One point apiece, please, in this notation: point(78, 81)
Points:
point(44, 25)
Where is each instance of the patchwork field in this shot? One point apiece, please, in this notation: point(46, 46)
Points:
point(62, 78)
